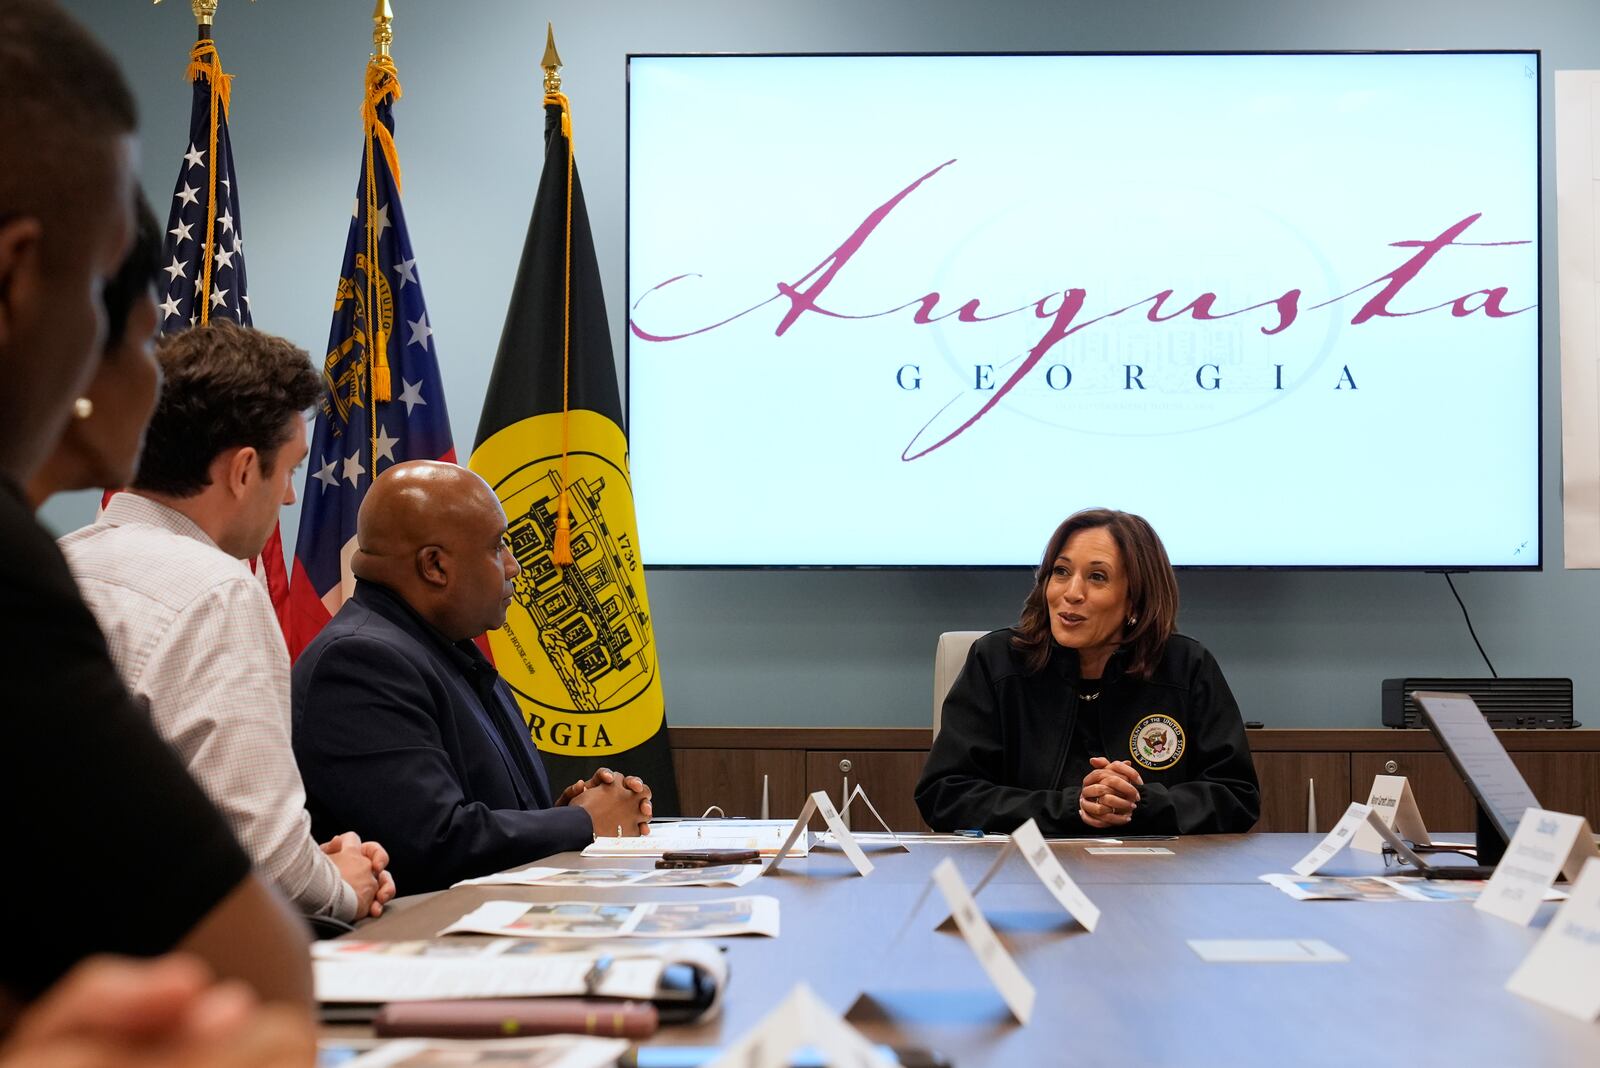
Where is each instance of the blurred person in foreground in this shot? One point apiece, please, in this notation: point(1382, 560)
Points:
point(82, 772)
point(100, 446)
point(112, 1012)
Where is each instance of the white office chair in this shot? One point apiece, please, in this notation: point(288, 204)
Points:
point(948, 657)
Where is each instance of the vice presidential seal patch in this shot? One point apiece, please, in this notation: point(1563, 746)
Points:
point(1157, 742)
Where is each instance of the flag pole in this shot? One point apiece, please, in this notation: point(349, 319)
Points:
point(561, 554)
point(205, 13)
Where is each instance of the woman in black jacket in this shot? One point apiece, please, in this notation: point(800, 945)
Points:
point(1091, 715)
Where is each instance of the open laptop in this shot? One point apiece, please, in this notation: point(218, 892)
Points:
point(1501, 793)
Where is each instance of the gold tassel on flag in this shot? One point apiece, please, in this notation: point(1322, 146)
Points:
point(204, 62)
point(383, 82)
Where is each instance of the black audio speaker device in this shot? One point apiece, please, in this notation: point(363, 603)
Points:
point(1505, 703)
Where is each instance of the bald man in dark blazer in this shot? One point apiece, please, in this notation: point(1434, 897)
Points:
point(403, 730)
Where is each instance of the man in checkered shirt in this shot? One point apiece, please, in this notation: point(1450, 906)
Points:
point(192, 631)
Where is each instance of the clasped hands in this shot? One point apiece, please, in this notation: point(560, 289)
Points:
point(1109, 794)
point(616, 803)
point(112, 1012)
point(362, 865)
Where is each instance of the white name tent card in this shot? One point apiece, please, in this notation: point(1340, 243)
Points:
point(1029, 842)
point(1334, 841)
point(1563, 969)
point(1391, 798)
point(1546, 844)
point(862, 794)
point(997, 964)
point(802, 1021)
point(1356, 817)
point(819, 801)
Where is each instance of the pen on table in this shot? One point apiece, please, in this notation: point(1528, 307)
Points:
point(596, 973)
point(970, 832)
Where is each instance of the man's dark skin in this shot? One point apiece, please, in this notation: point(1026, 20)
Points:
point(434, 533)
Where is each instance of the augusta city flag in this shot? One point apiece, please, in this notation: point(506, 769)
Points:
point(384, 402)
point(577, 647)
point(204, 247)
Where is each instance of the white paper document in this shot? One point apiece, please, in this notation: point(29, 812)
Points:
point(754, 915)
point(1334, 841)
point(1129, 851)
point(1563, 969)
point(1546, 845)
point(379, 972)
point(764, 836)
point(1266, 951)
point(717, 875)
point(997, 964)
point(549, 1051)
point(1392, 800)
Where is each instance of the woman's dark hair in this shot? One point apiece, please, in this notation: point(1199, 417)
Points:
point(1152, 590)
point(224, 386)
point(137, 273)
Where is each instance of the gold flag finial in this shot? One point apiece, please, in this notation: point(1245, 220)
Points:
point(551, 61)
point(205, 11)
point(382, 29)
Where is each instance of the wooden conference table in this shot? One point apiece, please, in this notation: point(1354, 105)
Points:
point(1424, 983)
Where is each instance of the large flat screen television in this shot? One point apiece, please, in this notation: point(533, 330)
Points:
point(912, 310)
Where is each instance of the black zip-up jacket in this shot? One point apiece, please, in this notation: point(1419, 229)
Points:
point(1002, 754)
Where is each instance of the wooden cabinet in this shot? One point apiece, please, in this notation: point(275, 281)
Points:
point(1441, 796)
point(1563, 782)
point(724, 765)
point(1289, 781)
point(731, 780)
point(1562, 769)
point(889, 778)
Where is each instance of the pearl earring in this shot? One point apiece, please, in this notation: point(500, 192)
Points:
point(1132, 620)
point(83, 407)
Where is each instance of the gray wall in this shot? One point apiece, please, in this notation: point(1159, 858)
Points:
point(814, 648)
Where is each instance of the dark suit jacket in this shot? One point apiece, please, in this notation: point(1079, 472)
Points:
point(405, 737)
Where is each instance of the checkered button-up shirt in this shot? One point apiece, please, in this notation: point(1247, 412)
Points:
point(193, 634)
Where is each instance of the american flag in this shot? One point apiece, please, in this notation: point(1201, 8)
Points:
point(201, 287)
point(356, 437)
point(204, 246)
